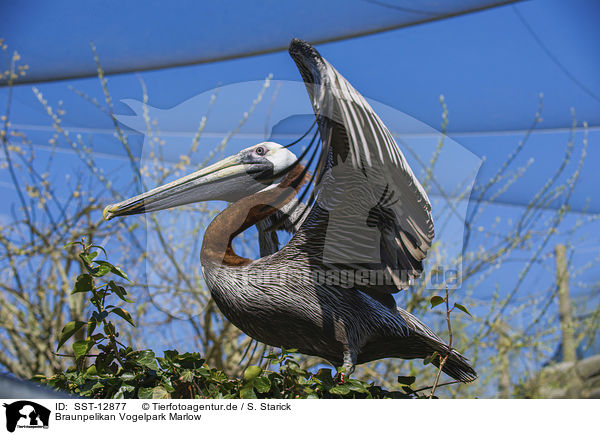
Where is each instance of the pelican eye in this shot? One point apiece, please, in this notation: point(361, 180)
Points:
point(260, 151)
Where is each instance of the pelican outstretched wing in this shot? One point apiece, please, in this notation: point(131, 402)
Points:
point(369, 208)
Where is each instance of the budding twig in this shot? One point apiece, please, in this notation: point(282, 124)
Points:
point(448, 351)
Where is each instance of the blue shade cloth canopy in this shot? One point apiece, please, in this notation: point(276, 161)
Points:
point(491, 64)
point(134, 35)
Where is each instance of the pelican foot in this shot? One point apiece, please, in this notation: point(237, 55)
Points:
point(347, 368)
point(340, 378)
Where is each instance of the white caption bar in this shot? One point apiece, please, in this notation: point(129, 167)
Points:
point(109, 417)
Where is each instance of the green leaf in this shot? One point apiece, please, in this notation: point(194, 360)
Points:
point(167, 385)
point(97, 337)
point(203, 372)
point(128, 376)
point(97, 386)
point(163, 363)
point(160, 393)
point(112, 268)
point(119, 291)
point(247, 393)
point(262, 384)
point(109, 328)
point(436, 300)
point(87, 258)
point(187, 376)
point(81, 348)
point(462, 308)
point(406, 380)
point(145, 393)
point(324, 375)
point(356, 385)
point(124, 391)
point(99, 247)
point(251, 373)
point(68, 331)
point(99, 271)
point(72, 243)
point(171, 355)
point(340, 390)
point(123, 314)
point(146, 358)
point(84, 283)
point(190, 360)
point(91, 327)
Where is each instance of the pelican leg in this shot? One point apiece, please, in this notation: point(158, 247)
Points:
point(347, 366)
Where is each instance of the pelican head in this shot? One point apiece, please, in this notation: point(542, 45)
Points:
point(249, 171)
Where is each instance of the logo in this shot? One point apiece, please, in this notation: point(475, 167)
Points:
point(371, 228)
point(26, 414)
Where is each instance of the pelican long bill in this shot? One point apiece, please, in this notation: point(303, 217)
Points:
point(210, 183)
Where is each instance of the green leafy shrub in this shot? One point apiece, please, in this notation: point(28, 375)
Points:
point(118, 371)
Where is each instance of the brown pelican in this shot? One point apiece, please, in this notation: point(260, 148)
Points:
point(360, 236)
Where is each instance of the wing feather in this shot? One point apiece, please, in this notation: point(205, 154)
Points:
point(369, 203)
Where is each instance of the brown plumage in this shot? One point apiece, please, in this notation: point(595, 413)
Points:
point(366, 216)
